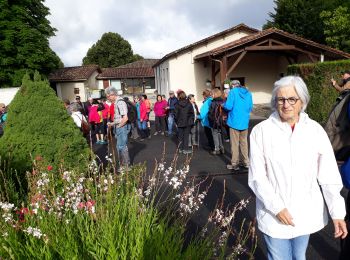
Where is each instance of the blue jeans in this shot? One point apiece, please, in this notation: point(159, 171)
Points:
point(170, 123)
point(143, 129)
point(286, 249)
point(121, 136)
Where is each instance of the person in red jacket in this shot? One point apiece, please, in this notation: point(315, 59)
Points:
point(149, 109)
point(160, 113)
point(96, 121)
point(142, 118)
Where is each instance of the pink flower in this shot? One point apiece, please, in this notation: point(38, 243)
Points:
point(81, 205)
point(49, 168)
point(90, 204)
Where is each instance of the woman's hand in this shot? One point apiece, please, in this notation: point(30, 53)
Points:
point(285, 217)
point(340, 229)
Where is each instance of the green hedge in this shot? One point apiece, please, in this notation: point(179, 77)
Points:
point(317, 78)
point(38, 125)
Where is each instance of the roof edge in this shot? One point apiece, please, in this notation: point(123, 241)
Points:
point(240, 26)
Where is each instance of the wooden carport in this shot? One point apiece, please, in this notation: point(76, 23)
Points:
point(290, 46)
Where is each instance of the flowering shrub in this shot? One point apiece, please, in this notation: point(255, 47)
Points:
point(72, 215)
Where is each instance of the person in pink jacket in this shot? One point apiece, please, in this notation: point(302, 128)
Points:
point(160, 113)
point(96, 121)
point(142, 119)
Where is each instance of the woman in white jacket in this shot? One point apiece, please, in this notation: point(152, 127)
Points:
point(291, 161)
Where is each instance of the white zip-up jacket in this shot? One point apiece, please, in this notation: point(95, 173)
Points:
point(287, 170)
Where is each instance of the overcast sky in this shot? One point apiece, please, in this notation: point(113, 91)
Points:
point(152, 27)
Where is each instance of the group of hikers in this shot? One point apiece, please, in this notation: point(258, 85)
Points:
point(293, 161)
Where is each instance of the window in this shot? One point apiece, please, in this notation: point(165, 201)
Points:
point(76, 91)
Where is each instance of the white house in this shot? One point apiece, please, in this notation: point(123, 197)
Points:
point(256, 58)
point(80, 81)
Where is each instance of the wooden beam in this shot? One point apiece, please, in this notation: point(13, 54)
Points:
point(308, 53)
point(289, 60)
point(261, 43)
point(270, 48)
point(234, 65)
point(311, 58)
point(234, 53)
point(278, 42)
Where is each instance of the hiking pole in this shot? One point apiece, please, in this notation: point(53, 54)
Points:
point(112, 147)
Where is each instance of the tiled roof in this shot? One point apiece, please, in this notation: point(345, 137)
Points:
point(144, 63)
point(268, 32)
point(124, 73)
point(239, 27)
point(78, 73)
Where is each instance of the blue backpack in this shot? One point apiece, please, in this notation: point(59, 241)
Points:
point(345, 173)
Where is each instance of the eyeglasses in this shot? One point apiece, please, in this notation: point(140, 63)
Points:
point(291, 100)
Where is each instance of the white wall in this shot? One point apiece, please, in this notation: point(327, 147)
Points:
point(65, 90)
point(162, 74)
point(183, 73)
point(7, 94)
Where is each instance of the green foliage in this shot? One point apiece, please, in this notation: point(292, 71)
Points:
point(105, 219)
point(337, 28)
point(38, 125)
point(317, 77)
point(111, 50)
point(301, 17)
point(24, 45)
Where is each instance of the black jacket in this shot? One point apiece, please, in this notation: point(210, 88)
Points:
point(184, 114)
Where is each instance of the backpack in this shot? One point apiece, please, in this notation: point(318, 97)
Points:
point(217, 115)
point(337, 127)
point(345, 173)
point(85, 127)
point(132, 111)
point(2, 124)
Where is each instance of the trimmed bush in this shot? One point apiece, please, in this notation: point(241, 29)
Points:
point(38, 125)
point(317, 77)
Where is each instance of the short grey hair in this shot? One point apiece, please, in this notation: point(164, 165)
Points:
point(235, 82)
point(111, 91)
point(74, 107)
point(299, 86)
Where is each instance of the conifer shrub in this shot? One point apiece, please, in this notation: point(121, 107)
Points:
point(317, 77)
point(38, 125)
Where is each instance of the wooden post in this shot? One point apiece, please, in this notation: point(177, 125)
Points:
point(212, 73)
point(223, 71)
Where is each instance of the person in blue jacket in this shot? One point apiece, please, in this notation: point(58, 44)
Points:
point(3, 118)
point(239, 104)
point(203, 117)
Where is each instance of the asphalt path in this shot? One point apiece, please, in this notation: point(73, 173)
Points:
point(212, 169)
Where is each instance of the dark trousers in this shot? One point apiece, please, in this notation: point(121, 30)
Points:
point(160, 123)
point(345, 243)
point(209, 135)
point(183, 133)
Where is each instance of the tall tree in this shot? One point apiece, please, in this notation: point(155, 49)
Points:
point(337, 28)
point(301, 17)
point(111, 50)
point(24, 40)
